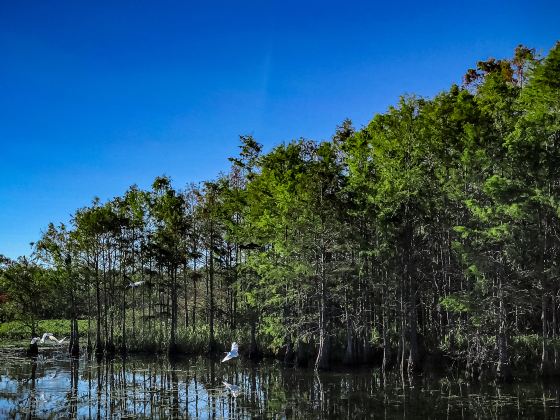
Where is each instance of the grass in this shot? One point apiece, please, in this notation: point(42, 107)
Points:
point(18, 330)
point(154, 340)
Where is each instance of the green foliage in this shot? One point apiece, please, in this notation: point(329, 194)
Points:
point(456, 303)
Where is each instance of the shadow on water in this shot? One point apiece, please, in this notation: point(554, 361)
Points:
point(55, 386)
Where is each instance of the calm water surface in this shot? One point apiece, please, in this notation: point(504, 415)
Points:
point(55, 386)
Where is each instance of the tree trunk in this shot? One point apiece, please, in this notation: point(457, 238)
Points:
point(98, 344)
point(89, 345)
point(75, 339)
point(123, 310)
point(211, 342)
point(349, 356)
point(174, 313)
point(193, 321)
point(554, 329)
point(414, 354)
point(402, 341)
point(74, 346)
point(503, 370)
point(544, 353)
point(185, 295)
point(111, 343)
point(412, 312)
point(322, 361)
point(33, 350)
point(386, 345)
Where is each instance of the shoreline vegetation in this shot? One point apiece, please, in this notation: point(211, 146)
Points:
point(428, 238)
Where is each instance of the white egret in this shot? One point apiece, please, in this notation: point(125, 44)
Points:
point(51, 337)
point(234, 389)
point(136, 284)
point(232, 353)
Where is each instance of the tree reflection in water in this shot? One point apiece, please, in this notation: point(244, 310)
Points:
point(59, 387)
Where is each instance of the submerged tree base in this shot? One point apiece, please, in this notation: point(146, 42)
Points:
point(33, 350)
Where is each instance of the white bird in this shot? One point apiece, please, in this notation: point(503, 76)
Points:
point(234, 389)
point(35, 339)
point(51, 337)
point(136, 284)
point(232, 353)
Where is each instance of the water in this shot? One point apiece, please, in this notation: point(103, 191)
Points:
point(55, 386)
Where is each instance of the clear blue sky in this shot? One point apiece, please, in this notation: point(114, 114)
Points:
point(96, 96)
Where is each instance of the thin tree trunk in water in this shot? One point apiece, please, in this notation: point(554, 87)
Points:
point(289, 355)
point(72, 335)
point(402, 341)
point(368, 322)
point(166, 308)
point(123, 310)
point(185, 295)
point(74, 348)
point(152, 295)
point(106, 306)
point(211, 343)
point(412, 313)
point(386, 349)
point(98, 344)
point(174, 312)
point(414, 355)
point(301, 358)
point(554, 327)
point(161, 306)
point(545, 363)
point(33, 349)
point(207, 284)
point(195, 274)
point(234, 290)
point(88, 285)
point(322, 361)
point(503, 371)
point(544, 353)
point(143, 300)
point(112, 311)
point(89, 320)
point(133, 291)
point(349, 357)
point(133, 339)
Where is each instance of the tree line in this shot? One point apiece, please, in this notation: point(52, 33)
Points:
point(429, 234)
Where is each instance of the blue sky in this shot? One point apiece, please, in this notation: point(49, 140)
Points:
point(97, 96)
